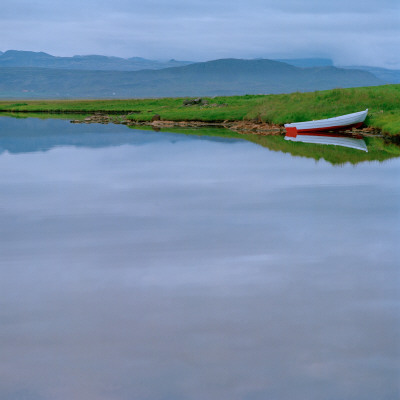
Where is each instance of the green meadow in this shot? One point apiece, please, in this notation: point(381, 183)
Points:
point(383, 103)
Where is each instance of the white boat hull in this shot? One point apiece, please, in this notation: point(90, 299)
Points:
point(329, 124)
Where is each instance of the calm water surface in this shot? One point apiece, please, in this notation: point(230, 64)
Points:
point(161, 266)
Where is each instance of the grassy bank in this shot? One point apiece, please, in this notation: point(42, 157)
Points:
point(383, 103)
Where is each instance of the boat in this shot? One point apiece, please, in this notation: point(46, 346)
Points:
point(343, 122)
point(334, 139)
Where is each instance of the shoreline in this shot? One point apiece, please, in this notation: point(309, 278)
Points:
point(258, 114)
point(242, 127)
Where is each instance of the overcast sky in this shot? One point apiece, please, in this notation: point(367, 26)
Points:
point(351, 32)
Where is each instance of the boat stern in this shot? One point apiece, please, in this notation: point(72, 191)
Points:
point(291, 131)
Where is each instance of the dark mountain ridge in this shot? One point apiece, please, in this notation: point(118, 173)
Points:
point(218, 77)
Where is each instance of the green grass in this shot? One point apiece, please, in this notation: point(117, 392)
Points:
point(221, 108)
point(69, 116)
point(383, 103)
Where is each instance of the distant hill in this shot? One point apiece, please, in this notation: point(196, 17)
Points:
point(219, 77)
point(308, 62)
point(16, 58)
point(386, 75)
point(19, 58)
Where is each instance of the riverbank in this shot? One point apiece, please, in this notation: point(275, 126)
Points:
point(242, 127)
point(249, 113)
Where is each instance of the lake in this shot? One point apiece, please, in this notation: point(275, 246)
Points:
point(168, 266)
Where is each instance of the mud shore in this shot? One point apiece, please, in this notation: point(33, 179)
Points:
point(243, 127)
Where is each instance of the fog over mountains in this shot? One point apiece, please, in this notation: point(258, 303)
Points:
point(40, 75)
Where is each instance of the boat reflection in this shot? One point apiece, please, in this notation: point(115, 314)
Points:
point(330, 138)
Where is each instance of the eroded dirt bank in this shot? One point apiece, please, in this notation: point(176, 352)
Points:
point(243, 127)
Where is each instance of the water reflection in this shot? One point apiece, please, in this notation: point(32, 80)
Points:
point(330, 139)
point(31, 134)
point(179, 268)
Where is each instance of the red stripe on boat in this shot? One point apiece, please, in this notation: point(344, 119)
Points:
point(329, 128)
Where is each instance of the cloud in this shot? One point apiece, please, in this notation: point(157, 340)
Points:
point(352, 32)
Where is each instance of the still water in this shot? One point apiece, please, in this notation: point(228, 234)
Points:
point(162, 266)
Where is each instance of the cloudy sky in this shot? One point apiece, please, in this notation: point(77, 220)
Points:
point(350, 32)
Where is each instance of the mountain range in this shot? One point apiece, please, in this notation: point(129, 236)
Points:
point(387, 75)
point(16, 58)
point(40, 75)
point(307, 62)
